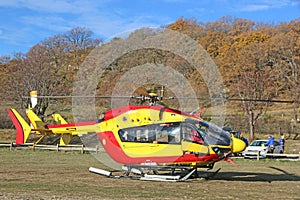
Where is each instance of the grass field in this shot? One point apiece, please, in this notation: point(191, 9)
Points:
point(27, 174)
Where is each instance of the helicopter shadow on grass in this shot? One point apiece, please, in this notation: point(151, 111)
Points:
point(257, 176)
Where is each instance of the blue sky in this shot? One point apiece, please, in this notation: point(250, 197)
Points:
point(24, 23)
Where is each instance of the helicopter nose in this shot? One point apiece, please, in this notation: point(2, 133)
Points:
point(238, 145)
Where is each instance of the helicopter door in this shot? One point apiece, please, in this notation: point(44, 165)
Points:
point(192, 141)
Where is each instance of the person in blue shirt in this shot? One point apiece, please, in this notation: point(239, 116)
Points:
point(270, 143)
point(281, 141)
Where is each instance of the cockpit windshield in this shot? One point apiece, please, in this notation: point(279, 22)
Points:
point(213, 134)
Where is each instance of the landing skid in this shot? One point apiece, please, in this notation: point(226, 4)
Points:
point(138, 174)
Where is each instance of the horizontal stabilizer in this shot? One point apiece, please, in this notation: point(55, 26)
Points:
point(65, 139)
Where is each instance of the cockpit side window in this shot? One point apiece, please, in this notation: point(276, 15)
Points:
point(190, 133)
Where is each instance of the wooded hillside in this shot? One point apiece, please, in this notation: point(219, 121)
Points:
point(257, 61)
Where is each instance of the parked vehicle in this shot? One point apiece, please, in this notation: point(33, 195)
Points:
point(259, 147)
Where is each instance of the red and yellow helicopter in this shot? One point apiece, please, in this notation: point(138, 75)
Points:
point(144, 138)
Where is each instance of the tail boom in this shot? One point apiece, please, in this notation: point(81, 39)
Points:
point(64, 129)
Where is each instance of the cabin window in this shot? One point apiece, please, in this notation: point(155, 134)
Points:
point(174, 135)
point(160, 133)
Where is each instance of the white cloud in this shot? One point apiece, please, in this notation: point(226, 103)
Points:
point(111, 25)
point(54, 6)
point(280, 3)
point(38, 19)
point(258, 5)
point(50, 22)
point(30, 21)
point(62, 15)
point(254, 7)
point(19, 36)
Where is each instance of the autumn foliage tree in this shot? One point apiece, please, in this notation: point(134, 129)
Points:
point(256, 60)
point(285, 58)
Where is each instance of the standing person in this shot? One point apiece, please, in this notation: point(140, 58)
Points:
point(270, 143)
point(281, 141)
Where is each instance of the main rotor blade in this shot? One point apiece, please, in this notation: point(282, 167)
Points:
point(63, 97)
point(261, 100)
point(140, 90)
point(237, 99)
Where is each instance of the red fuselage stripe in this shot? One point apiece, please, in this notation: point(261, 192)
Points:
point(71, 124)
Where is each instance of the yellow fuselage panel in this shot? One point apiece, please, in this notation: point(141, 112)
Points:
point(149, 150)
point(194, 147)
point(145, 117)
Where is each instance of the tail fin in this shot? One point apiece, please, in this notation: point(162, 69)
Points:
point(22, 127)
point(36, 122)
point(59, 119)
point(64, 138)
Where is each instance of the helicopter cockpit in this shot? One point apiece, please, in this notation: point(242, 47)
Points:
point(212, 134)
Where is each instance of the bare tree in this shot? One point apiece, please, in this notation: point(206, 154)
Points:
point(45, 67)
point(79, 43)
point(255, 83)
point(33, 72)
